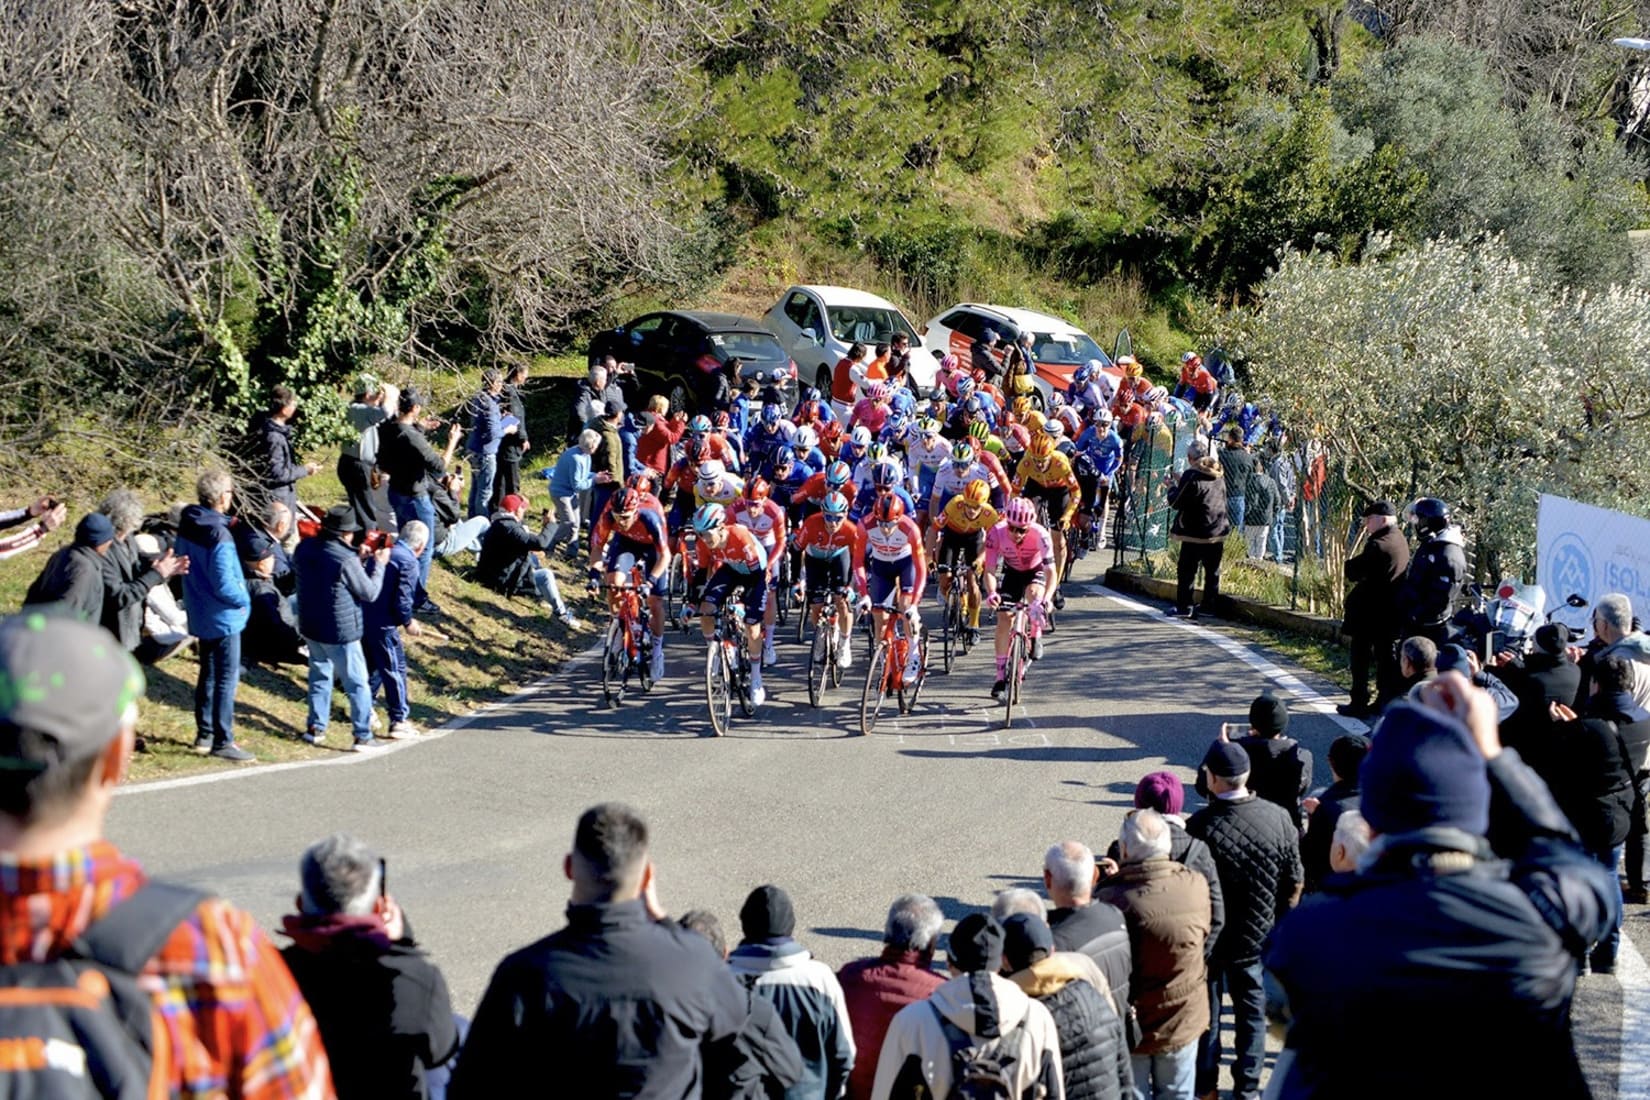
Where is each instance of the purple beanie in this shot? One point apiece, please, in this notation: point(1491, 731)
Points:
point(1160, 791)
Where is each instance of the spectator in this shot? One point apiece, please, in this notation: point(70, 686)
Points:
point(761, 1060)
point(48, 515)
point(1094, 1053)
point(381, 1004)
point(1017, 899)
point(383, 620)
point(1200, 526)
point(1163, 793)
point(514, 444)
point(74, 575)
point(803, 990)
point(1545, 675)
point(1616, 634)
point(510, 565)
point(1351, 841)
point(1417, 661)
point(875, 989)
point(218, 603)
point(453, 533)
point(1457, 658)
point(899, 359)
point(569, 1003)
point(274, 520)
point(275, 470)
point(1239, 467)
point(238, 1030)
point(982, 355)
point(1611, 699)
point(271, 636)
point(976, 1008)
point(1257, 852)
point(1346, 756)
point(1167, 907)
point(359, 453)
point(1262, 499)
point(1080, 923)
point(165, 625)
point(1371, 621)
point(571, 479)
point(412, 466)
point(487, 429)
point(844, 383)
point(607, 460)
point(1472, 945)
point(663, 433)
point(128, 579)
point(1280, 769)
point(332, 587)
point(599, 389)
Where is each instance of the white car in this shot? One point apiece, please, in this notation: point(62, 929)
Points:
point(816, 324)
point(1058, 347)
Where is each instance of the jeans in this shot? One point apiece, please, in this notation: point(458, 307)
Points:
point(628, 438)
point(1277, 535)
point(419, 508)
point(350, 661)
point(599, 496)
point(1242, 982)
point(1192, 555)
point(387, 666)
point(220, 674)
point(464, 536)
point(567, 521)
point(544, 583)
point(1167, 1076)
point(481, 481)
point(1235, 509)
point(438, 1079)
point(1604, 951)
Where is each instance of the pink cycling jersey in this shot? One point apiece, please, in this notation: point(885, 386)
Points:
point(1034, 551)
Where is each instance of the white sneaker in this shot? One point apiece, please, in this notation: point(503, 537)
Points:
point(403, 731)
point(844, 654)
point(913, 666)
point(769, 657)
point(657, 671)
point(376, 723)
point(572, 622)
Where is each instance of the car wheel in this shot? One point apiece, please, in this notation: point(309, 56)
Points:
point(680, 398)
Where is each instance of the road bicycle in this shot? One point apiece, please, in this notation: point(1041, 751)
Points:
point(1019, 657)
point(678, 609)
point(1059, 600)
point(831, 635)
point(728, 667)
point(627, 644)
point(885, 677)
point(956, 638)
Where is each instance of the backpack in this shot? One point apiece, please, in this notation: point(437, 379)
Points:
point(980, 1069)
point(79, 1025)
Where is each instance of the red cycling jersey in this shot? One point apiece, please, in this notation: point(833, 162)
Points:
point(741, 549)
point(767, 522)
point(816, 538)
point(894, 547)
point(813, 491)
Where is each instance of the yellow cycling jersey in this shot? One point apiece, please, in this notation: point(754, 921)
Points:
point(724, 492)
point(1055, 470)
point(955, 517)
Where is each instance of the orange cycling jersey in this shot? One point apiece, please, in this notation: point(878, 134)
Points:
point(814, 490)
point(741, 549)
point(816, 539)
point(964, 518)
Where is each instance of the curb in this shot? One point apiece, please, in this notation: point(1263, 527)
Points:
point(1236, 607)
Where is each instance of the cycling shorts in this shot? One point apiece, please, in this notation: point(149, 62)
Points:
point(1058, 498)
point(1016, 581)
point(726, 579)
point(645, 554)
point(957, 548)
point(889, 577)
point(826, 573)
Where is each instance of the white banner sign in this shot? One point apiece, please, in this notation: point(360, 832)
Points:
point(1591, 552)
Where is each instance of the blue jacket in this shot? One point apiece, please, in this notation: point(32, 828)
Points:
point(332, 586)
point(214, 589)
point(572, 474)
point(485, 430)
point(399, 594)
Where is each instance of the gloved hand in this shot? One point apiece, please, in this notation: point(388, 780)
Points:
point(864, 604)
point(993, 600)
point(646, 589)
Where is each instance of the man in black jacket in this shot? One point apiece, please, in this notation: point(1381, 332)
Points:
point(1280, 770)
point(129, 576)
point(1346, 756)
point(515, 444)
point(73, 575)
point(1437, 571)
point(1371, 622)
point(1200, 525)
point(509, 562)
point(762, 1060)
point(1612, 699)
point(1257, 850)
point(621, 1002)
point(381, 1004)
point(275, 472)
point(1079, 923)
point(1544, 676)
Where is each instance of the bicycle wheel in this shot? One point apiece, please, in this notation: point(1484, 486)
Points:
point(912, 688)
point(614, 660)
point(802, 617)
point(718, 689)
point(876, 689)
point(644, 665)
point(782, 594)
point(951, 627)
point(1012, 672)
point(820, 660)
point(742, 679)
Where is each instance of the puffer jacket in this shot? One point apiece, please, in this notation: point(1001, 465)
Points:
point(393, 607)
point(1432, 587)
point(805, 993)
point(332, 586)
point(1167, 906)
point(987, 1009)
point(1098, 931)
point(1094, 1055)
point(1186, 849)
point(1199, 503)
point(1258, 854)
point(278, 472)
point(214, 590)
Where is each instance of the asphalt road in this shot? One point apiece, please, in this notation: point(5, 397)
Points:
point(474, 824)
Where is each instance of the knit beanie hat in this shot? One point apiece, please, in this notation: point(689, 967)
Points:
point(1160, 791)
point(767, 915)
point(1227, 760)
point(976, 944)
point(1423, 769)
point(1269, 715)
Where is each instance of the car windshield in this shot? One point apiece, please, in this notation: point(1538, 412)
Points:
point(758, 346)
point(868, 324)
point(1066, 347)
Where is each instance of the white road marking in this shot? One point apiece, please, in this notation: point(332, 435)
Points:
point(1633, 1081)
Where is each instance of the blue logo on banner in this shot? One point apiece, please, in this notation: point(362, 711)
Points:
point(1569, 567)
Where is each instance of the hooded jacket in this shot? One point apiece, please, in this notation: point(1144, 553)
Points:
point(214, 588)
point(1167, 908)
point(1432, 587)
point(1199, 503)
point(874, 990)
point(916, 1058)
point(1094, 1055)
point(805, 993)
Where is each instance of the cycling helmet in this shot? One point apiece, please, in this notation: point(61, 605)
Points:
point(1190, 357)
point(699, 425)
point(962, 453)
point(783, 457)
point(860, 437)
point(1056, 401)
point(770, 415)
point(722, 419)
point(694, 450)
point(709, 517)
point(1034, 421)
point(979, 430)
point(836, 505)
point(965, 387)
point(1055, 430)
point(1102, 418)
point(711, 469)
point(977, 492)
point(929, 426)
point(1429, 514)
point(877, 391)
point(806, 439)
point(948, 362)
point(885, 475)
point(757, 489)
point(837, 475)
point(627, 503)
point(809, 393)
point(1131, 369)
point(1155, 395)
point(876, 452)
point(973, 405)
point(888, 509)
point(1041, 445)
point(1020, 513)
point(641, 481)
point(1022, 406)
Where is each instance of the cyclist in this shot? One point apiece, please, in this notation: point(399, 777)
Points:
point(1045, 476)
point(642, 481)
point(732, 557)
point(631, 534)
point(830, 545)
point(872, 409)
point(928, 451)
point(771, 432)
point(877, 454)
point(806, 448)
point(835, 478)
point(990, 452)
point(960, 532)
point(951, 372)
point(761, 515)
point(811, 409)
point(1023, 548)
point(885, 481)
point(714, 444)
point(715, 485)
point(960, 469)
point(891, 572)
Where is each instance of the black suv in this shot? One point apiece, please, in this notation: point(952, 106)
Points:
point(685, 355)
